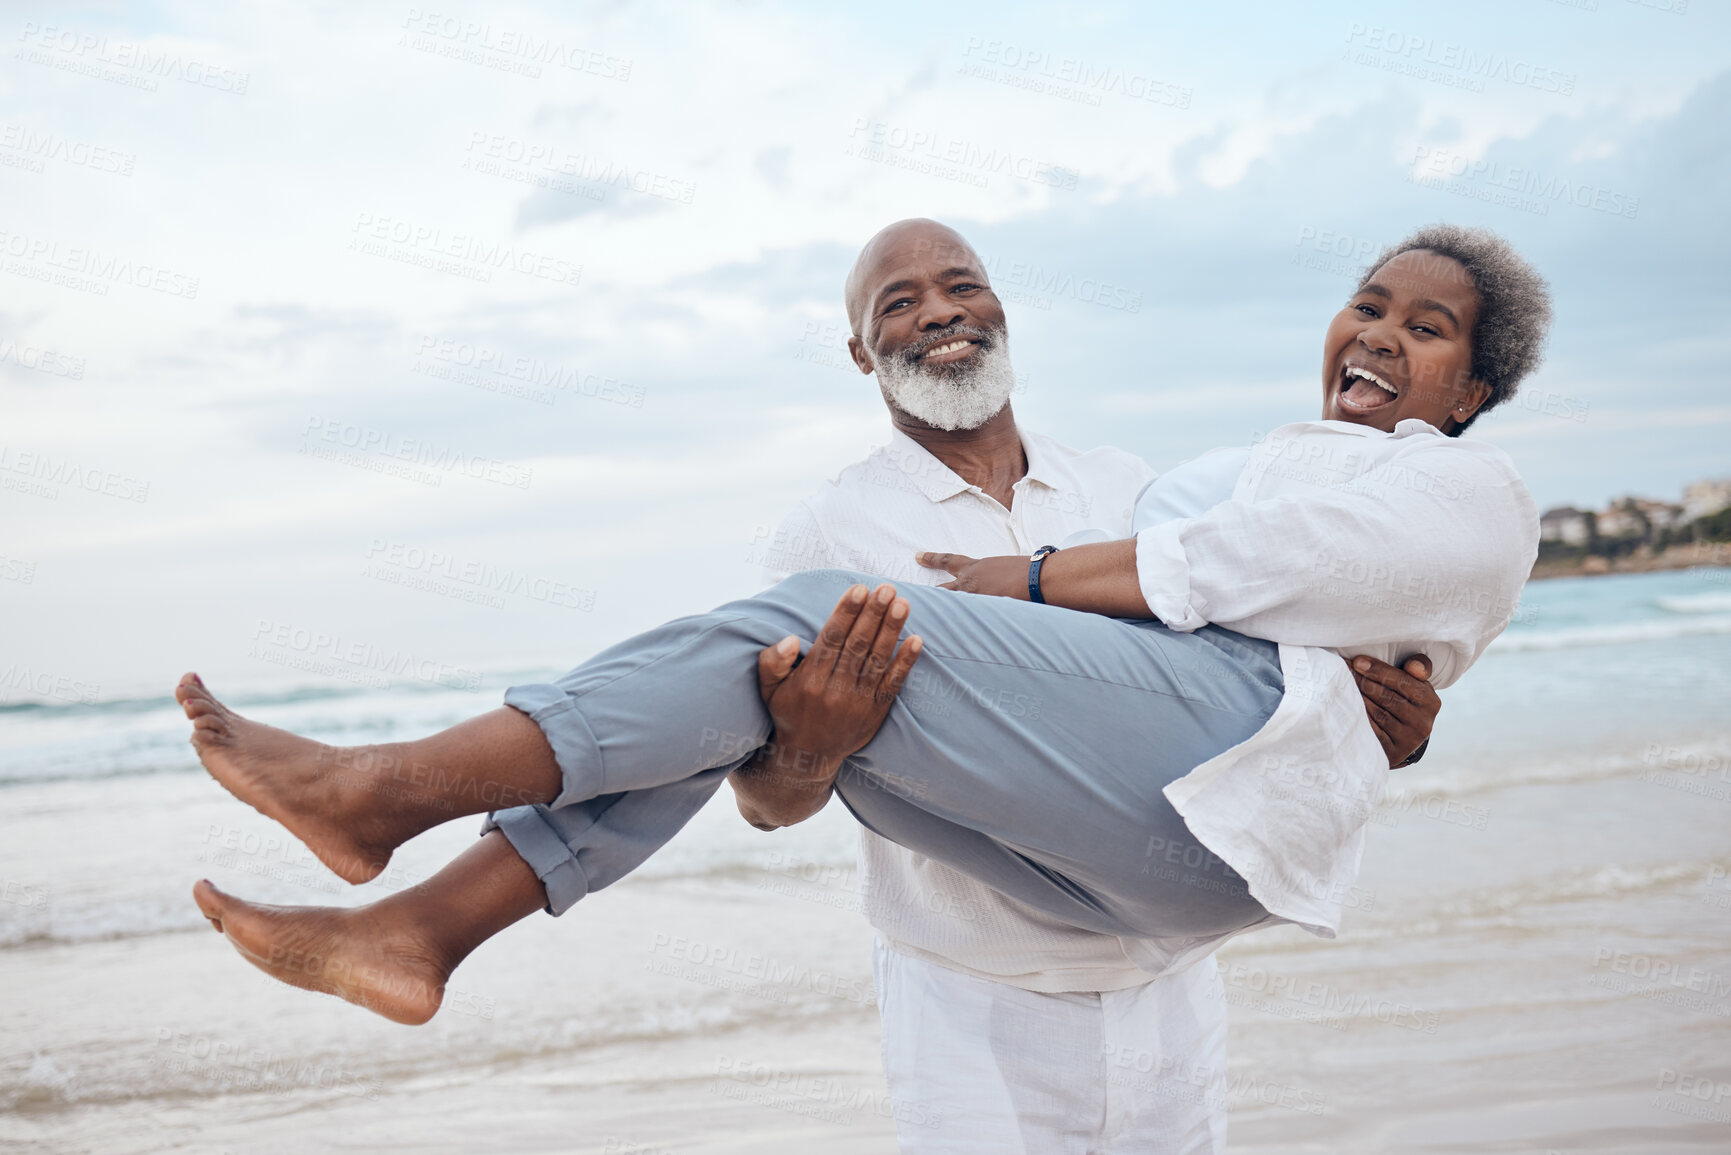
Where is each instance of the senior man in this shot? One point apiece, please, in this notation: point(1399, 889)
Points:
point(1026, 1033)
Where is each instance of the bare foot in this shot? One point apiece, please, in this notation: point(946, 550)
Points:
point(360, 955)
point(323, 794)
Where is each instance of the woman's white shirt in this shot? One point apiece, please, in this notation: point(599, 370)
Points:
point(1337, 540)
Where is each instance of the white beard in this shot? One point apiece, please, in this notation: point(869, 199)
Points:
point(952, 399)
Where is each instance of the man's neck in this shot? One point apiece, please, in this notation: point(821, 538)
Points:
point(990, 457)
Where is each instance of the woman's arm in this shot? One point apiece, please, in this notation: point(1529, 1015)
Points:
point(1101, 579)
point(1434, 545)
point(1098, 579)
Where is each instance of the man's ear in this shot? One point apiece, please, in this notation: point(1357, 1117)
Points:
point(861, 355)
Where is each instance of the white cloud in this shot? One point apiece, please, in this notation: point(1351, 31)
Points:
point(384, 190)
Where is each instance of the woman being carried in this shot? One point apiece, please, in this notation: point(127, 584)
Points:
point(1185, 761)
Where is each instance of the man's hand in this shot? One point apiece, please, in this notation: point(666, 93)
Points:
point(824, 707)
point(1401, 704)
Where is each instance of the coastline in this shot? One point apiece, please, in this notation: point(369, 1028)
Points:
point(1642, 560)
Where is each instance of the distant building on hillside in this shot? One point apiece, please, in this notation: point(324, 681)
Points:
point(1633, 533)
point(1622, 519)
point(1567, 525)
point(1705, 498)
point(1661, 514)
point(1638, 517)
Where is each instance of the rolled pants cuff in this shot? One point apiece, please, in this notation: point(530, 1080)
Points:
point(540, 845)
point(527, 828)
point(567, 732)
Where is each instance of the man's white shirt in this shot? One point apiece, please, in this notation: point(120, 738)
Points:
point(873, 517)
point(1019, 1033)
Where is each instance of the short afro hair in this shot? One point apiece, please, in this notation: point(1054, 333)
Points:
point(1508, 340)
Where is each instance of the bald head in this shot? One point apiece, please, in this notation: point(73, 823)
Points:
point(926, 322)
point(915, 241)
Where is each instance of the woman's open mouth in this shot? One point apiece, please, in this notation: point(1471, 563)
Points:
point(1363, 390)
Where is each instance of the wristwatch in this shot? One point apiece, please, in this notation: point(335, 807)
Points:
point(1416, 754)
point(1035, 561)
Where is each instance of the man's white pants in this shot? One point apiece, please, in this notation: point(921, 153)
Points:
point(977, 1066)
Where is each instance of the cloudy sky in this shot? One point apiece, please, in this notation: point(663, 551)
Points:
point(312, 314)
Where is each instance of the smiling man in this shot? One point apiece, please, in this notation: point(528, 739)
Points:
point(1118, 783)
point(1020, 1031)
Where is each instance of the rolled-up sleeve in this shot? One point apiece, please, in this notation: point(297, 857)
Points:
point(1163, 572)
point(1420, 547)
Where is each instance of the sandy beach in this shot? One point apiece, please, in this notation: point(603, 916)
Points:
point(1538, 957)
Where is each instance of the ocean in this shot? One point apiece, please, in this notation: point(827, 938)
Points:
point(1537, 957)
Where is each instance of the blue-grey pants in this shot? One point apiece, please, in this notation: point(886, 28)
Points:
point(1028, 749)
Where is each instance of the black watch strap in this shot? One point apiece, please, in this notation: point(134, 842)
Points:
point(1035, 562)
point(1416, 754)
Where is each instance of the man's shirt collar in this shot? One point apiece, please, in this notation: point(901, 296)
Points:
point(938, 482)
